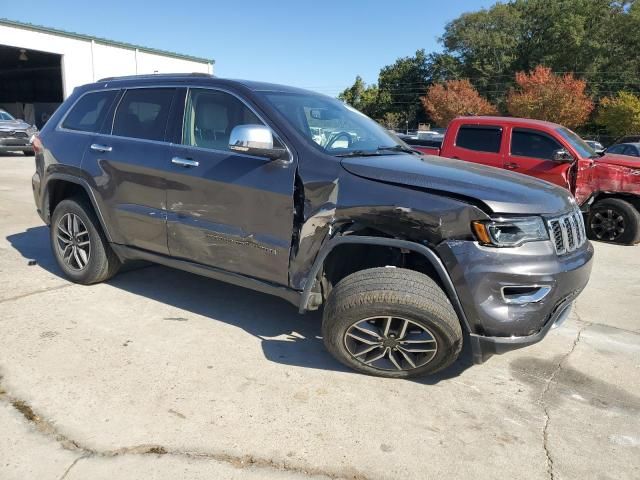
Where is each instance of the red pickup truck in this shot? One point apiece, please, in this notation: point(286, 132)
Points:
point(606, 187)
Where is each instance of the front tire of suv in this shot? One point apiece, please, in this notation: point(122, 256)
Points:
point(391, 322)
point(614, 220)
point(79, 245)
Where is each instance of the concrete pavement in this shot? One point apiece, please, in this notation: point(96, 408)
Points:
point(163, 374)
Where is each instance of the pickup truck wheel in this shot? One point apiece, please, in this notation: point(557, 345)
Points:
point(614, 220)
point(391, 322)
point(79, 245)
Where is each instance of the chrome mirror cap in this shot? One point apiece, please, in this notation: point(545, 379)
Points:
point(255, 140)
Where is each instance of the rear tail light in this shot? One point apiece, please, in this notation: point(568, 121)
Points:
point(37, 145)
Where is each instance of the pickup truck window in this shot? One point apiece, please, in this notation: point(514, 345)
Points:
point(88, 113)
point(479, 138)
point(211, 115)
point(332, 126)
point(143, 113)
point(525, 143)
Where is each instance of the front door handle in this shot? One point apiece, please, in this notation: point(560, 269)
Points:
point(511, 166)
point(96, 147)
point(185, 162)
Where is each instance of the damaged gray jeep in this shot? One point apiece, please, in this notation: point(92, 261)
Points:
point(297, 195)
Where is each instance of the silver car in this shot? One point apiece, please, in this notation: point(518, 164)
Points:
point(16, 135)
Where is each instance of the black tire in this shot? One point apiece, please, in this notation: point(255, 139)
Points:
point(404, 295)
point(101, 261)
point(28, 153)
point(614, 220)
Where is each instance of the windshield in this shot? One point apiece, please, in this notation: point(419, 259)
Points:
point(334, 127)
point(5, 116)
point(578, 144)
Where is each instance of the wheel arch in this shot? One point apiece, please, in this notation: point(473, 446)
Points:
point(632, 198)
point(61, 186)
point(433, 261)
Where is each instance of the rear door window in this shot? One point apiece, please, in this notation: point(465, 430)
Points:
point(89, 112)
point(479, 138)
point(525, 143)
point(143, 113)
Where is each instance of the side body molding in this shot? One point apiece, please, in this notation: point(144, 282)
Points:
point(385, 242)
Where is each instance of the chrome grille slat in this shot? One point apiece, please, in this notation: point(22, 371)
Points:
point(567, 232)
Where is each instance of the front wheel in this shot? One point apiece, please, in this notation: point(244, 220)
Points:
point(614, 220)
point(391, 322)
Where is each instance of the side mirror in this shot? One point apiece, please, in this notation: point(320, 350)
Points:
point(562, 156)
point(255, 140)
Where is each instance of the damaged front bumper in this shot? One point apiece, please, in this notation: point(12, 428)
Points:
point(512, 297)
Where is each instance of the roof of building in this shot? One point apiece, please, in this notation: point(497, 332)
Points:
point(105, 41)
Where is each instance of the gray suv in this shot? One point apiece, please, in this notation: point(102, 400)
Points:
point(15, 135)
point(298, 195)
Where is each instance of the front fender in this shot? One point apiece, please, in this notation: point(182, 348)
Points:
point(423, 250)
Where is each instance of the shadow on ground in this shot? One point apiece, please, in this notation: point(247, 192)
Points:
point(287, 337)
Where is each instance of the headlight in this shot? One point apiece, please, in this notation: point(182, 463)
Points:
point(510, 232)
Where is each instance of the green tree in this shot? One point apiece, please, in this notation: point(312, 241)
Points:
point(363, 97)
point(596, 39)
point(620, 114)
point(402, 84)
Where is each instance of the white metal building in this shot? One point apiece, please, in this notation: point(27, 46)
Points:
point(40, 66)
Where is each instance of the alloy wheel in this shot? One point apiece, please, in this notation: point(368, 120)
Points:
point(607, 224)
point(73, 242)
point(390, 343)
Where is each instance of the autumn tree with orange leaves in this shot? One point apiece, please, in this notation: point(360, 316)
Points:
point(453, 98)
point(544, 96)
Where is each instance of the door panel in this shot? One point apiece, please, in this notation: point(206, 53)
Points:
point(228, 210)
point(130, 173)
point(531, 153)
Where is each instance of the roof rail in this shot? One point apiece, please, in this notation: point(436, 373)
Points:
point(158, 75)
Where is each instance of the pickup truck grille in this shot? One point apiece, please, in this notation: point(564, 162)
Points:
point(567, 232)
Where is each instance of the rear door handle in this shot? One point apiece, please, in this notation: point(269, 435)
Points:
point(96, 147)
point(185, 162)
point(511, 166)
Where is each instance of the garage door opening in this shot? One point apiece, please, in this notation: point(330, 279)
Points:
point(30, 83)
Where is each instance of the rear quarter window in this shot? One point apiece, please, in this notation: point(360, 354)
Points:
point(89, 112)
point(479, 138)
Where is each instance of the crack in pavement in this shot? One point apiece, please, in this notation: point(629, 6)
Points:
point(45, 427)
point(73, 464)
point(543, 404)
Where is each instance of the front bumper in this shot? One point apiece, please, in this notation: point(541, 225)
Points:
point(480, 275)
point(18, 144)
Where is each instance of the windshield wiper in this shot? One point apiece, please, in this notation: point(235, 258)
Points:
point(397, 148)
point(359, 153)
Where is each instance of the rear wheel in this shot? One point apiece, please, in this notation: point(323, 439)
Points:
point(391, 322)
point(79, 245)
point(614, 220)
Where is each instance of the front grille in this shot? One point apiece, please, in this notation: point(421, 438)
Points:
point(567, 232)
point(13, 134)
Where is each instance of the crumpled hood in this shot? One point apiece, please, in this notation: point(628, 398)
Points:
point(502, 191)
point(13, 125)
point(621, 160)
